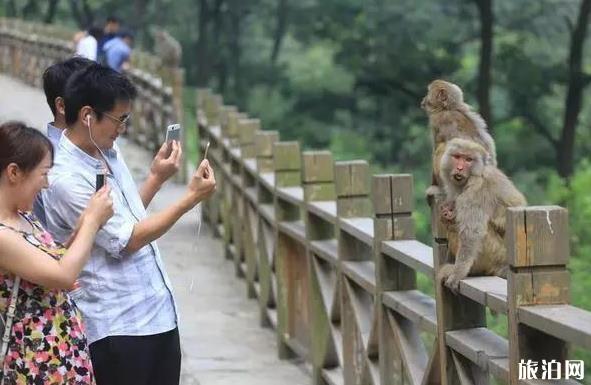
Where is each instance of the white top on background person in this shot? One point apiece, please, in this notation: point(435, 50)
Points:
point(87, 43)
point(87, 47)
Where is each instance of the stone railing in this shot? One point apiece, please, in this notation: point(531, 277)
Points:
point(26, 49)
point(329, 252)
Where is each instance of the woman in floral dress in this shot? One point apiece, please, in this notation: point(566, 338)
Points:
point(47, 345)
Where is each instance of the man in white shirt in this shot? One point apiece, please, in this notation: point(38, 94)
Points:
point(124, 293)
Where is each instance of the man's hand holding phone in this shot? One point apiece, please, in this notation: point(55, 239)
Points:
point(167, 161)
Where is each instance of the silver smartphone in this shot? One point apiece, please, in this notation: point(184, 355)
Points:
point(173, 132)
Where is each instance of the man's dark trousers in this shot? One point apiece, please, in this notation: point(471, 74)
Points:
point(137, 360)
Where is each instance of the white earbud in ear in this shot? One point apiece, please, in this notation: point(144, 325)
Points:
point(88, 120)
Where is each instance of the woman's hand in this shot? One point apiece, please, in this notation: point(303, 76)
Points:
point(100, 208)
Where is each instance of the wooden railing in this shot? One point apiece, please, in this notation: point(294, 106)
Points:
point(330, 254)
point(27, 49)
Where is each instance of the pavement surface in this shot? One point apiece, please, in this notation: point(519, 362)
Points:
point(221, 339)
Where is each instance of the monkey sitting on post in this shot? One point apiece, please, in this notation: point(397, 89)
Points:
point(450, 117)
point(477, 197)
point(166, 47)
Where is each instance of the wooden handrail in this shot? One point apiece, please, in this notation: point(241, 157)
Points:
point(337, 279)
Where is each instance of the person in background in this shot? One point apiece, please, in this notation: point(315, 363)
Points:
point(110, 31)
point(47, 344)
point(87, 43)
point(118, 50)
point(54, 82)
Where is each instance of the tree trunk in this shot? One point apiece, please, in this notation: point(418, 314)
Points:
point(10, 8)
point(76, 13)
point(140, 7)
point(222, 77)
point(202, 45)
point(30, 10)
point(51, 8)
point(218, 61)
point(236, 14)
point(159, 16)
point(236, 54)
point(574, 98)
point(280, 30)
point(485, 11)
point(88, 14)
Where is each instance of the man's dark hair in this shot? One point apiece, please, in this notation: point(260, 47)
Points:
point(96, 32)
point(56, 76)
point(113, 19)
point(96, 86)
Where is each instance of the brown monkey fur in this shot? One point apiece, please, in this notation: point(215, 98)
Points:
point(477, 197)
point(450, 117)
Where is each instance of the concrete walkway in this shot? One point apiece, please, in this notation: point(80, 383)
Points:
point(221, 339)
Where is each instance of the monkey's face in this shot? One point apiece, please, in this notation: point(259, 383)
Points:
point(461, 167)
point(429, 102)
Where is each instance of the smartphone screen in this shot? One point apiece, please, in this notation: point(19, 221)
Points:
point(100, 181)
point(173, 132)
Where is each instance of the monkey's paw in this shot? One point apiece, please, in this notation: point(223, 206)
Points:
point(451, 275)
point(431, 193)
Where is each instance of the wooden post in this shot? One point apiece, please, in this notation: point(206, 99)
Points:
point(218, 201)
point(246, 131)
point(212, 109)
point(204, 137)
point(352, 189)
point(538, 252)
point(225, 113)
point(226, 186)
point(263, 142)
point(232, 130)
point(318, 176)
point(287, 165)
point(201, 95)
point(318, 185)
point(453, 311)
point(237, 210)
point(393, 203)
point(178, 82)
point(360, 355)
